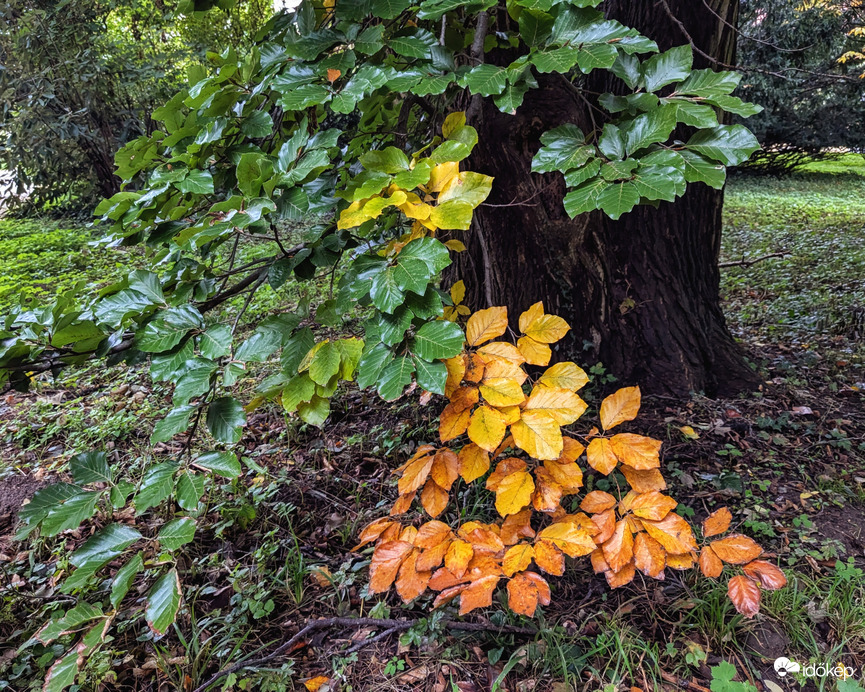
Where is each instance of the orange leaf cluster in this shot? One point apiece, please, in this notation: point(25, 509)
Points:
point(507, 422)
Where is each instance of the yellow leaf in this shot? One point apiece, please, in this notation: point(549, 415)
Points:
point(538, 434)
point(534, 352)
point(456, 246)
point(458, 556)
point(333, 75)
point(565, 376)
point(600, 456)
point(530, 315)
point(597, 501)
point(468, 186)
point(441, 174)
point(402, 504)
point(562, 405)
point(621, 578)
point(496, 368)
point(456, 368)
point(621, 406)
point(485, 325)
point(511, 414)
point(372, 531)
point(569, 538)
point(315, 684)
point(363, 210)
point(464, 397)
point(432, 557)
point(431, 534)
point(514, 492)
point(673, 533)
point(414, 208)
point(504, 468)
point(445, 469)
point(501, 349)
point(643, 481)
point(453, 122)
point(525, 591)
point(501, 392)
point(517, 558)
point(475, 368)
point(474, 462)
point(689, 432)
point(568, 475)
point(680, 562)
point(487, 428)
point(458, 290)
point(637, 451)
point(547, 329)
point(517, 526)
point(605, 524)
point(548, 493)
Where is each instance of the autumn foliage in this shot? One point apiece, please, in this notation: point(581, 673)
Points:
point(501, 418)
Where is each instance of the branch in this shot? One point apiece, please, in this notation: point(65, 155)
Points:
point(477, 54)
point(747, 263)
point(390, 625)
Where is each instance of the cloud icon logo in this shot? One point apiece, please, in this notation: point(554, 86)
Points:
point(785, 665)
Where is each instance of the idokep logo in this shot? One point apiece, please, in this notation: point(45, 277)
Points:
point(784, 666)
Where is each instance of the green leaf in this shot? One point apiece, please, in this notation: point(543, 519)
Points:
point(62, 672)
point(147, 283)
point(535, 27)
point(195, 381)
point(733, 104)
point(648, 128)
point(188, 490)
point(472, 188)
point(386, 294)
point(388, 9)
point(215, 342)
point(257, 124)
point(123, 579)
point(431, 251)
point(372, 362)
point(699, 169)
point(168, 329)
point(419, 175)
point(156, 486)
point(668, 67)
point(197, 182)
point(171, 365)
point(449, 152)
point(315, 411)
point(221, 463)
point(163, 602)
point(556, 59)
point(90, 467)
point(427, 306)
point(431, 376)
point(70, 513)
point(298, 390)
point(259, 347)
point(176, 533)
point(225, 419)
point(697, 115)
point(80, 331)
point(486, 80)
point(659, 183)
point(325, 363)
point(564, 148)
point(618, 198)
point(105, 545)
point(438, 340)
point(175, 422)
point(350, 352)
point(72, 619)
point(709, 84)
point(395, 377)
point(453, 215)
point(729, 144)
point(119, 493)
point(390, 160)
point(584, 198)
point(42, 503)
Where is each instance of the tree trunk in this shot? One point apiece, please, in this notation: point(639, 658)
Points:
point(641, 293)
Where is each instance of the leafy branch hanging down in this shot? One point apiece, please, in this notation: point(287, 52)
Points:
point(535, 471)
point(248, 181)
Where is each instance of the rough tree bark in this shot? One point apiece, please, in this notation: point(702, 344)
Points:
point(641, 293)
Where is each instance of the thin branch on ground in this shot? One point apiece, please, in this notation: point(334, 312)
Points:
point(747, 263)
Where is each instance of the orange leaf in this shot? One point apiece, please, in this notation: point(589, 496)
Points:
point(410, 583)
point(485, 541)
point(517, 558)
point(533, 351)
point(622, 577)
point(530, 315)
point(372, 531)
point(571, 451)
point(443, 578)
point(476, 368)
point(485, 325)
point(636, 451)
point(434, 498)
point(600, 456)
point(445, 468)
point(547, 329)
point(717, 522)
point(316, 683)
point(474, 462)
point(478, 594)
point(548, 493)
point(386, 561)
point(562, 405)
point(569, 538)
point(619, 549)
point(538, 434)
point(501, 391)
point(652, 505)
point(710, 564)
point(568, 475)
point(408, 534)
point(431, 534)
point(402, 504)
point(453, 422)
point(680, 562)
point(606, 524)
point(456, 368)
point(597, 501)
point(507, 442)
point(432, 557)
point(415, 474)
point(565, 376)
point(487, 428)
point(504, 468)
point(549, 558)
point(643, 481)
point(333, 75)
point(649, 556)
point(464, 397)
point(766, 575)
point(673, 533)
point(517, 526)
point(458, 556)
point(745, 595)
point(525, 590)
point(514, 492)
point(599, 564)
point(621, 406)
point(736, 549)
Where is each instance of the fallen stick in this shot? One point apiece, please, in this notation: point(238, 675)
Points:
point(391, 626)
point(747, 263)
point(681, 682)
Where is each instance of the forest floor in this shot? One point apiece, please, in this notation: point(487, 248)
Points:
point(789, 460)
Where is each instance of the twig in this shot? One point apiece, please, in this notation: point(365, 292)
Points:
point(477, 54)
point(680, 682)
point(377, 638)
point(747, 263)
point(391, 625)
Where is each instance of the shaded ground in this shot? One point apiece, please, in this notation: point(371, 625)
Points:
point(276, 552)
